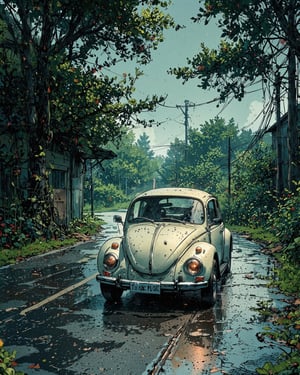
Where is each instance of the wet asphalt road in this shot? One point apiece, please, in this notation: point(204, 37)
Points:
point(53, 314)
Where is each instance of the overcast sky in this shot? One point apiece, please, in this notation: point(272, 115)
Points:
point(173, 52)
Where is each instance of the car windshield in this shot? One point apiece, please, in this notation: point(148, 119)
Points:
point(175, 209)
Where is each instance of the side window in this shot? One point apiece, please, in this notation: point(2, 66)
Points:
point(212, 211)
point(136, 210)
point(197, 213)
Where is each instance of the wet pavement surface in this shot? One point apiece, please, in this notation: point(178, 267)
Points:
point(53, 314)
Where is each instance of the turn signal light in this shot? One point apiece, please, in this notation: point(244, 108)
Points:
point(198, 250)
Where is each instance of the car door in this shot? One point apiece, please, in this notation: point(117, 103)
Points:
point(215, 227)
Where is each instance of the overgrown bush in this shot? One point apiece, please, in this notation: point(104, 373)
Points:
point(7, 362)
point(284, 218)
point(15, 231)
point(252, 176)
point(87, 225)
point(285, 330)
point(108, 195)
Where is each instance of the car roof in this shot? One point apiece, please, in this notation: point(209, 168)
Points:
point(178, 192)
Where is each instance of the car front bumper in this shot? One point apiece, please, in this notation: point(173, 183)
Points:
point(164, 286)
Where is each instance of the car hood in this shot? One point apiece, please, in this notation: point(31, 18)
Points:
point(153, 248)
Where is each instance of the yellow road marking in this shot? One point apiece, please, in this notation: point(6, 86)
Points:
point(58, 294)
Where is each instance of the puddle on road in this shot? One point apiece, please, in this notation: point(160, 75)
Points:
point(223, 340)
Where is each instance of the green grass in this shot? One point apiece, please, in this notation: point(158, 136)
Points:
point(87, 227)
point(11, 256)
point(255, 234)
point(119, 206)
point(287, 272)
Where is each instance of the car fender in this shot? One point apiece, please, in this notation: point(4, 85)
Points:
point(203, 251)
point(107, 246)
point(227, 245)
point(207, 257)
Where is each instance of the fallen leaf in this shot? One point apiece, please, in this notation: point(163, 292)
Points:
point(276, 249)
point(36, 273)
point(34, 365)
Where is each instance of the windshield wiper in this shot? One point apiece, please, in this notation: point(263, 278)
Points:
point(142, 218)
point(173, 219)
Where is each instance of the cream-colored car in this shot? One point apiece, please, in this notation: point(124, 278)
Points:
point(174, 241)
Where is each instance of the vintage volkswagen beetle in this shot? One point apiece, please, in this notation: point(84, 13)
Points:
point(174, 241)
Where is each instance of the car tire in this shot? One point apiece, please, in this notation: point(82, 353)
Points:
point(209, 294)
point(111, 293)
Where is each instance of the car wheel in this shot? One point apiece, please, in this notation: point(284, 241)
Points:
point(209, 294)
point(111, 293)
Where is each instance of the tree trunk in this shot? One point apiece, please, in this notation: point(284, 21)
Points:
point(35, 67)
point(279, 175)
point(293, 133)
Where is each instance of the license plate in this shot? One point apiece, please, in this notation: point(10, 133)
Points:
point(142, 287)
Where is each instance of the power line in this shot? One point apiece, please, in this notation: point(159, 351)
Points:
point(217, 99)
point(192, 105)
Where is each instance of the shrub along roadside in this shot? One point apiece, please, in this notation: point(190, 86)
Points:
point(273, 219)
point(78, 230)
point(7, 361)
point(286, 322)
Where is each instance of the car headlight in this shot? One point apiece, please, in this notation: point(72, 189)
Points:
point(193, 266)
point(110, 261)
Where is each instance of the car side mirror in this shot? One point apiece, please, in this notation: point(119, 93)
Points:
point(118, 219)
point(217, 221)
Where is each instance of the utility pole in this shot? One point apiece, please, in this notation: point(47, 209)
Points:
point(92, 188)
point(186, 123)
point(229, 171)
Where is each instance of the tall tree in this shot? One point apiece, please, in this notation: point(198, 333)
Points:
point(213, 134)
point(89, 110)
point(144, 143)
point(172, 164)
point(260, 40)
point(253, 175)
point(132, 170)
point(207, 166)
point(45, 34)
